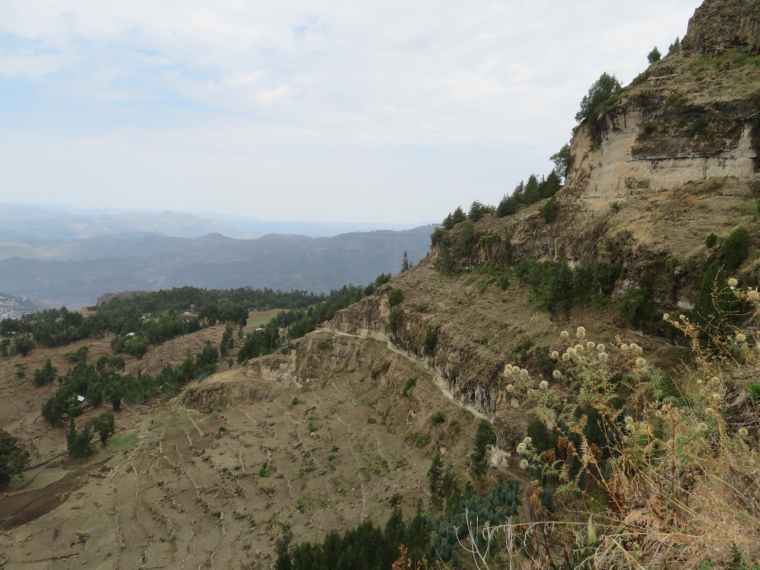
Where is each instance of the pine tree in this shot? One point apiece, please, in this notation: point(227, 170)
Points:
point(484, 437)
point(434, 476)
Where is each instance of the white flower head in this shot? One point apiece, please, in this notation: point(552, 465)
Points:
point(578, 348)
point(555, 355)
point(524, 464)
point(624, 347)
point(603, 357)
point(508, 370)
point(521, 448)
point(524, 373)
point(566, 357)
point(510, 388)
point(590, 345)
point(515, 370)
point(628, 420)
point(556, 374)
point(641, 363)
point(665, 317)
point(710, 411)
point(702, 426)
point(564, 335)
point(528, 440)
point(732, 282)
point(634, 347)
point(699, 380)
point(717, 397)
point(600, 347)
point(743, 432)
point(753, 295)
point(543, 385)
point(581, 333)
point(741, 337)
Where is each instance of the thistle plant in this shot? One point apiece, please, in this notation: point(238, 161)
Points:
point(672, 479)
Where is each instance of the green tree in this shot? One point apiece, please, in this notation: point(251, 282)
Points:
point(563, 161)
point(465, 239)
point(13, 458)
point(549, 210)
point(478, 210)
point(395, 318)
point(79, 444)
point(430, 340)
point(735, 248)
point(395, 297)
point(560, 298)
point(531, 194)
point(45, 375)
point(405, 265)
point(654, 55)
point(484, 437)
point(600, 95)
point(675, 46)
point(103, 425)
point(23, 345)
point(4, 344)
point(435, 473)
point(507, 206)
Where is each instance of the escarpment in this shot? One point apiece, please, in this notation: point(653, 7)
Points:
point(673, 159)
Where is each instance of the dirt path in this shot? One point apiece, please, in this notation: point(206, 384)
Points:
point(441, 386)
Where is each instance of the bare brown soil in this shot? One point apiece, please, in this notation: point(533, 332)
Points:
point(320, 439)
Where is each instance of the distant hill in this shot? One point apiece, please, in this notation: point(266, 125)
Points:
point(36, 223)
point(76, 273)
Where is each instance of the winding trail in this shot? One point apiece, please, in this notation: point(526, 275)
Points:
point(525, 482)
point(419, 363)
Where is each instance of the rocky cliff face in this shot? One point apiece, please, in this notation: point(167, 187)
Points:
point(689, 117)
point(720, 25)
point(678, 159)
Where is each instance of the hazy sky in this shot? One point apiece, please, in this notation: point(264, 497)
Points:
point(340, 110)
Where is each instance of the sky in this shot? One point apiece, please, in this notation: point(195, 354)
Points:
point(319, 110)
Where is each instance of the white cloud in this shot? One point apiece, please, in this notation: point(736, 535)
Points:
point(358, 85)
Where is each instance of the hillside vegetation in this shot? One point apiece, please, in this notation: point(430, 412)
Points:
point(568, 380)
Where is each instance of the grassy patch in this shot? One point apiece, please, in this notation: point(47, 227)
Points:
point(120, 442)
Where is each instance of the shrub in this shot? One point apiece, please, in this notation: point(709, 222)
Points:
point(13, 458)
point(676, 98)
point(654, 55)
point(549, 210)
point(431, 339)
point(395, 297)
point(408, 386)
point(711, 240)
point(648, 128)
point(736, 248)
point(438, 418)
point(395, 318)
point(45, 375)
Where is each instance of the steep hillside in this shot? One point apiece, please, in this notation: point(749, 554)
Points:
point(669, 160)
point(607, 334)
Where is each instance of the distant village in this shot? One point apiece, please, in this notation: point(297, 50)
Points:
point(13, 307)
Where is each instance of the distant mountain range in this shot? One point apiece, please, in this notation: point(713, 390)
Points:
point(46, 223)
point(41, 258)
